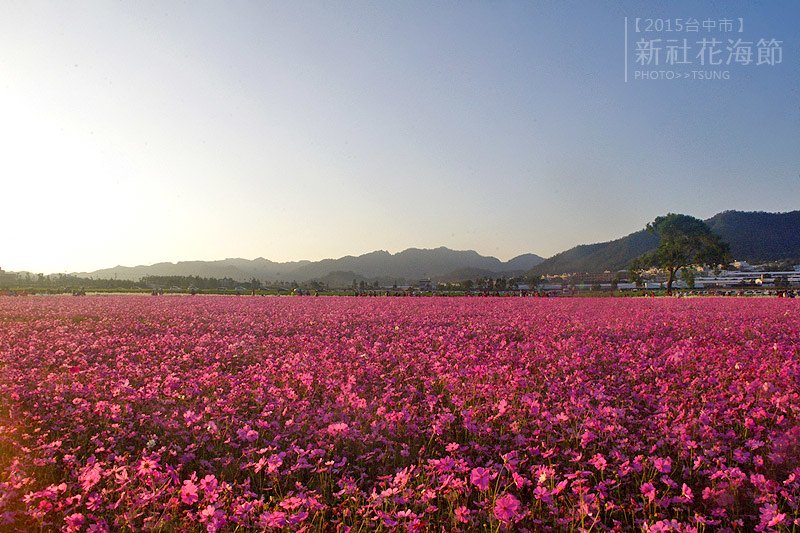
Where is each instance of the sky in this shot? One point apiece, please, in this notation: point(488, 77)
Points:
point(138, 132)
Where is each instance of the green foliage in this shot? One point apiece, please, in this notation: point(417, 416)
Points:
point(682, 241)
point(688, 276)
point(61, 282)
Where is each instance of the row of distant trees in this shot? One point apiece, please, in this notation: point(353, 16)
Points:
point(58, 281)
point(493, 284)
point(26, 280)
point(65, 281)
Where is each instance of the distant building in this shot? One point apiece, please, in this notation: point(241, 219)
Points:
point(591, 278)
point(728, 278)
point(551, 286)
point(426, 285)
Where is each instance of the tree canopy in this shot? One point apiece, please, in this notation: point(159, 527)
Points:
point(684, 241)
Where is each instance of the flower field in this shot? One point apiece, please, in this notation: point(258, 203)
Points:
point(125, 413)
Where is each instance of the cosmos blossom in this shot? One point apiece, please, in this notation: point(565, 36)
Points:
point(507, 508)
point(480, 477)
point(189, 492)
point(411, 414)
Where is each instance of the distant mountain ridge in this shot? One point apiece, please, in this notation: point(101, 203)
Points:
point(756, 237)
point(410, 265)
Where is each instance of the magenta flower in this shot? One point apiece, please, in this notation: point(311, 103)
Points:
point(446, 404)
point(146, 466)
point(209, 483)
point(663, 464)
point(480, 477)
point(74, 521)
point(90, 476)
point(462, 514)
point(207, 513)
point(520, 481)
point(189, 492)
point(297, 518)
point(247, 434)
point(274, 463)
point(649, 491)
point(291, 503)
point(274, 519)
point(770, 517)
point(598, 461)
point(507, 508)
point(337, 428)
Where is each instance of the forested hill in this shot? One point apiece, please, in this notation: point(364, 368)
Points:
point(755, 237)
point(758, 237)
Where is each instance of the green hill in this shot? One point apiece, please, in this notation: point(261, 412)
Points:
point(755, 237)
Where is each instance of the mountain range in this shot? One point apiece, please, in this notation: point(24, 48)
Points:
point(755, 237)
point(440, 264)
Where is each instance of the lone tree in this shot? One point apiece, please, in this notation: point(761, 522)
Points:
point(684, 241)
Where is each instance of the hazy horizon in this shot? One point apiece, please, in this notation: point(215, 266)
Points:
point(316, 259)
point(138, 133)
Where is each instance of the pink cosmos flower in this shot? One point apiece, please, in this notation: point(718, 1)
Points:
point(520, 481)
point(297, 518)
point(337, 428)
point(260, 464)
point(663, 464)
point(559, 487)
point(247, 434)
point(274, 519)
point(98, 527)
point(462, 514)
point(770, 517)
point(209, 483)
point(74, 521)
point(649, 490)
point(291, 503)
point(480, 477)
point(664, 526)
point(274, 463)
point(146, 466)
point(189, 492)
point(507, 508)
point(599, 462)
point(90, 476)
point(207, 513)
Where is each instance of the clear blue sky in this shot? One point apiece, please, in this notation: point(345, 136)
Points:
point(138, 132)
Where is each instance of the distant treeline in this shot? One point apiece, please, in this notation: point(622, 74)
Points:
point(67, 281)
point(61, 281)
point(197, 282)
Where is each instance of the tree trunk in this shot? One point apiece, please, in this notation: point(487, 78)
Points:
point(670, 280)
